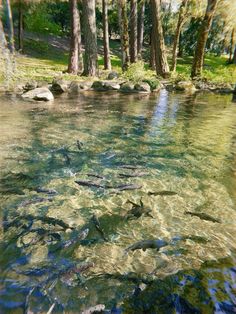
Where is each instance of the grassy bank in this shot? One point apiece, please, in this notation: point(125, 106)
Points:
point(45, 58)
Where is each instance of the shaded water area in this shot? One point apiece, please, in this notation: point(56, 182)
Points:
point(157, 167)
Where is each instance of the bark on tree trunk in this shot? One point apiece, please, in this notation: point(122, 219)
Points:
point(90, 38)
point(20, 26)
point(202, 39)
point(141, 26)
point(133, 30)
point(124, 33)
point(10, 27)
point(107, 60)
point(181, 50)
point(152, 51)
point(162, 67)
point(231, 50)
point(234, 58)
point(3, 42)
point(182, 13)
point(75, 39)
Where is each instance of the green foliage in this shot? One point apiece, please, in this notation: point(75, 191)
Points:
point(136, 72)
point(153, 82)
point(38, 20)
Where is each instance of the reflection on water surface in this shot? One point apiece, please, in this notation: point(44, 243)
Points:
point(142, 162)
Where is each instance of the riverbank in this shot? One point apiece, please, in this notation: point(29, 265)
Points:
point(45, 59)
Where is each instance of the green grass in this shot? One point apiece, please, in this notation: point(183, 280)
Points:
point(216, 69)
point(43, 62)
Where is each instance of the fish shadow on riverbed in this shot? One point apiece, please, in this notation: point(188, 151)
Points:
point(102, 228)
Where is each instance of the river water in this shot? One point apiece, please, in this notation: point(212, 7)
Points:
point(182, 148)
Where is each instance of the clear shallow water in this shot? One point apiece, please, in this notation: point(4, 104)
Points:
point(180, 143)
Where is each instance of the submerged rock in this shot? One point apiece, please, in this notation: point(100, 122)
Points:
point(41, 94)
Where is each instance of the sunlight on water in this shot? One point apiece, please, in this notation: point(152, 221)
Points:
point(176, 151)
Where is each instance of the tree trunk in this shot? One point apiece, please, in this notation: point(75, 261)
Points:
point(7, 68)
point(3, 42)
point(124, 33)
point(234, 58)
point(20, 26)
point(133, 30)
point(152, 51)
point(107, 60)
point(181, 50)
point(141, 26)
point(162, 67)
point(182, 13)
point(202, 39)
point(75, 62)
point(10, 27)
point(90, 38)
point(231, 49)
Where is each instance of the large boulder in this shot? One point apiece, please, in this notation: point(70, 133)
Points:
point(59, 86)
point(186, 86)
point(41, 94)
point(76, 87)
point(127, 88)
point(105, 86)
point(142, 87)
point(113, 75)
point(30, 85)
point(234, 91)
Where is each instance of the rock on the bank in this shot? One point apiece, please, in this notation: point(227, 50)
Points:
point(113, 75)
point(75, 86)
point(41, 94)
point(127, 88)
point(59, 86)
point(105, 86)
point(185, 86)
point(142, 87)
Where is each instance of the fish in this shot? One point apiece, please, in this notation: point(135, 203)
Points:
point(163, 193)
point(129, 167)
point(131, 175)
point(34, 201)
point(138, 210)
point(98, 226)
point(125, 187)
point(81, 236)
point(94, 175)
point(92, 184)
point(147, 244)
point(110, 156)
point(203, 216)
point(46, 191)
point(195, 238)
point(121, 187)
point(43, 219)
point(79, 144)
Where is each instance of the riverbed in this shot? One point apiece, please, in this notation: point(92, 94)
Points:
point(172, 153)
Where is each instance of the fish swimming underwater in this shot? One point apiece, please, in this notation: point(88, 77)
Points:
point(203, 216)
point(147, 244)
